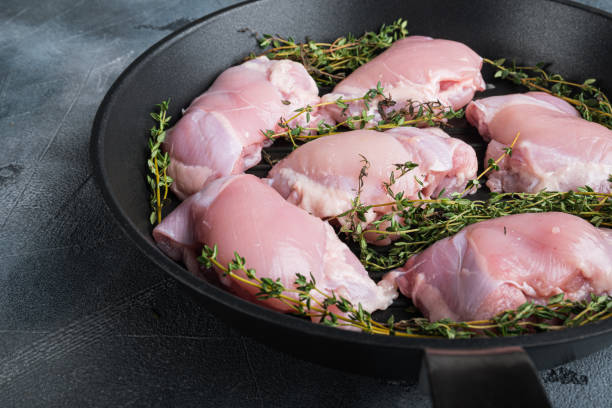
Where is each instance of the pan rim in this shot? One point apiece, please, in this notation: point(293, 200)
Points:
point(257, 312)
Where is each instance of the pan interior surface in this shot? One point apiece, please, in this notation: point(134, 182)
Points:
point(573, 39)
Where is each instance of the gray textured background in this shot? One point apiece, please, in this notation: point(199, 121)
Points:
point(81, 315)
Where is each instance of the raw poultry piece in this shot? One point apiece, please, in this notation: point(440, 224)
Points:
point(242, 213)
point(557, 150)
point(499, 264)
point(221, 131)
point(322, 176)
point(417, 69)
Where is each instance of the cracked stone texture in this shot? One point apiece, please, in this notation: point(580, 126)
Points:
point(91, 321)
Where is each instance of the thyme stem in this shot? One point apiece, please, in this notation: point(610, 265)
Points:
point(157, 195)
point(493, 165)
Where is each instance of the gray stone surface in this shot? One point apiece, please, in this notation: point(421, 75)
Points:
point(81, 315)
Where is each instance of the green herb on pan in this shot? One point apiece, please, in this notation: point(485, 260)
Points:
point(492, 165)
point(329, 63)
point(421, 222)
point(306, 299)
point(413, 114)
point(158, 163)
point(592, 103)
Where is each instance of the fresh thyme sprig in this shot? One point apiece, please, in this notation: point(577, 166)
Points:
point(557, 314)
point(354, 221)
point(493, 165)
point(304, 133)
point(590, 101)
point(307, 300)
point(412, 114)
point(415, 113)
point(419, 223)
point(328, 63)
point(402, 168)
point(158, 163)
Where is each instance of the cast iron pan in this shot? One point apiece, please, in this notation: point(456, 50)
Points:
point(574, 38)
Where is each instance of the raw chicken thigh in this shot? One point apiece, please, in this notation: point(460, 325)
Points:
point(242, 213)
point(322, 176)
point(499, 264)
point(220, 132)
point(557, 150)
point(417, 69)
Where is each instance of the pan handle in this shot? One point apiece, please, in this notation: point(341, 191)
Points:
point(498, 377)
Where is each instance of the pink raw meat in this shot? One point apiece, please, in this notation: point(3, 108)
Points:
point(557, 150)
point(322, 176)
point(416, 69)
point(220, 133)
point(242, 213)
point(499, 264)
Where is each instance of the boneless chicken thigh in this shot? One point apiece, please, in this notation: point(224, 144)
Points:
point(220, 133)
point(322, 176)
point(242, 213)
point(416, 69)
point(499, 264)
point(556, 150)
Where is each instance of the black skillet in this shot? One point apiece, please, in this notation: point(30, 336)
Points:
point(495, 371)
